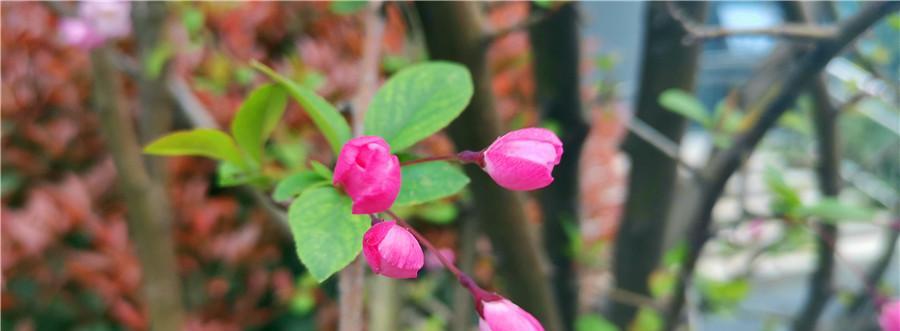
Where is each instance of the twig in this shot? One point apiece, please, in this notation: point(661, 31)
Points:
point(634, 299)
point(699, 32)
point(196, 113)
point(663, 144)
point(724, 164)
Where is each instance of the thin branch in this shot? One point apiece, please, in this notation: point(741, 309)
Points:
point(700, 32)
point(196, 113)
point(663, 144)
point(634, 299)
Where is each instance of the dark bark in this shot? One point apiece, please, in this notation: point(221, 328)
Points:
point(454, 32)
point(149, 221)
point(821, 281)
point(555, 46)
point(667, 63)
point(784, 93)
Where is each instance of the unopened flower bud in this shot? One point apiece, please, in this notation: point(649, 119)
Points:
point(369, 174)
point(523, 160)
point(392, 251)
point(500, 314)
point(889, 319)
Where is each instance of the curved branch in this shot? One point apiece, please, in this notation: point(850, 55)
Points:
point(700, 32)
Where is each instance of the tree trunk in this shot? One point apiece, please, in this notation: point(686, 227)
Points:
point(820, 282)
point(667, 63)
point(555, 46)
point(454, 32)
point(149, 221)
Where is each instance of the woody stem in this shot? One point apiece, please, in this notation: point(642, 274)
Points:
point(461, 157)
point(430, 159)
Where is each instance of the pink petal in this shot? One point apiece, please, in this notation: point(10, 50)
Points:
point(503, 315)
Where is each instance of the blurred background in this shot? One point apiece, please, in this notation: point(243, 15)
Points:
point(650, 99)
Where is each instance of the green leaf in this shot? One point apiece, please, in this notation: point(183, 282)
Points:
point(438, 212)
point(321, 170)
point(423, 182)
point(833, 210)
point(685, 105)
point(795, 121)
point(257, 117)
point(673, 257)
point(647, 320)
point(593, 322)
point(894, 21)
point(662, 283)
point(198, 142)
point(786, 199)
point(725, 294)
point(729, 119)
point(327, 236)
point(417, 102)
point(327, 118)
point(345, 7)
point(154, 63)
point(193, 20)
point(546, 4)
point(229, 174)
point(294, 185)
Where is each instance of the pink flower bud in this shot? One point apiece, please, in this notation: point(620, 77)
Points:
point(391, 250)
point(500, 314)
point(109, 19)
point(76, 32)
point(369, 173)
point(889, 319)
point(523, 160)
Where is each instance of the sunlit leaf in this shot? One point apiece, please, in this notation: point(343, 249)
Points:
point(327, 236)
point(662, 283)
point(257, 117)
point(686, 105)
point(786, 199)
point(418, 101)
point(345, 7)
point(833, 210)
point(327, 118)
point(724, 295)
point(198, 142)
point(593, 322)
point(647, 320)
